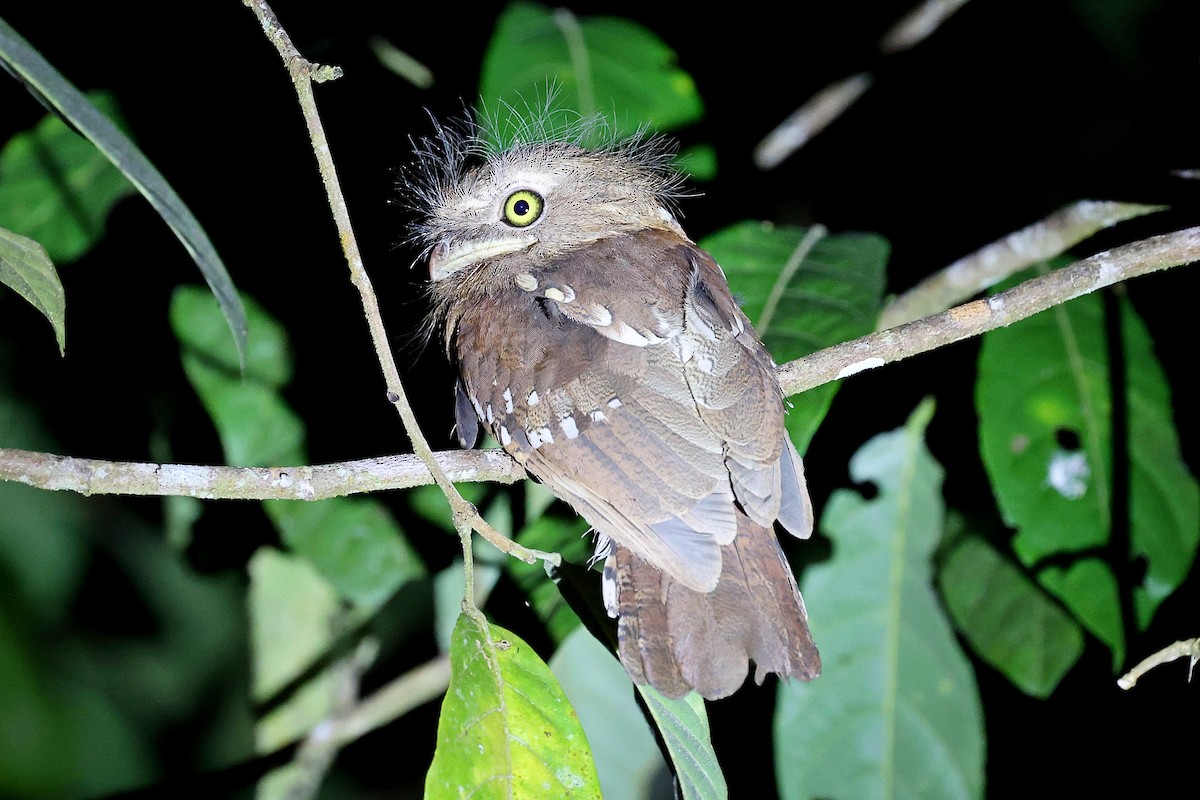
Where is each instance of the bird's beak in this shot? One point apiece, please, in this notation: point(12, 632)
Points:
point(449, 257)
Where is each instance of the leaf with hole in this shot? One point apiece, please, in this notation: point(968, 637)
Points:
point(1044, 395)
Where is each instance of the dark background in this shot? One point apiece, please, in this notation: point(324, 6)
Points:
point(1010, 111)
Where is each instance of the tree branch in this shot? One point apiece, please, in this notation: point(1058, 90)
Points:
point(1187, 647)
point(999, 311)
point(86, 476)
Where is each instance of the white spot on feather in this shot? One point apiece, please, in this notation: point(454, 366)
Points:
point(505, 436)
point(599, 315)
point(627, 335)
point(489, 413)
point(569, 427)
point(533, 398)
point(614, 403)
point(525, 281)
point(508, 404)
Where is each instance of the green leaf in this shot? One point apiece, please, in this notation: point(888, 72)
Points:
point(66, 100)
point(683, 724)
point(200, 328)
point(1164, 496)
point(831, 296)
point(506, 729)
point(627, 757)
point(27, 270)
point(1007, 619)
point(292, 610)
point(551, 533)
point(698, 161)
point(56, 187)
point(896, 712)
point(1043, 387)
point(590, 65)
point(354, 543)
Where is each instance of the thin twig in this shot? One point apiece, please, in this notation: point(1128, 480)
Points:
point(303, 73)
point(918, 24)
point(1188, 647)
point(972, 319)
point(86, 476)
point(810, 119)
point(989, 265)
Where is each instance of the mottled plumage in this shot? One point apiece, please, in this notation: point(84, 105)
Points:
point(605, 352)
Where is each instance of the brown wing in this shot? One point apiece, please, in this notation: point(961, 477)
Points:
point(628, 381)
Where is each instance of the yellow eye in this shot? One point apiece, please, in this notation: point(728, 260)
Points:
point(522, 208)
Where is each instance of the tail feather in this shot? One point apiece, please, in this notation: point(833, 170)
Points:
point(677, 639)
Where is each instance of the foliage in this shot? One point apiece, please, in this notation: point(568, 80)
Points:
point(1076, 438)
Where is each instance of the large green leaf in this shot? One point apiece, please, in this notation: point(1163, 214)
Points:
point(353, 542)
point(56, 187)
point(27, 270)
point(896, 713)
point(627, 757)
point(798, 306)
point(506, 729)
point(1007, 619)
point(1045, 405)
point(56, 92)
point(604, 65)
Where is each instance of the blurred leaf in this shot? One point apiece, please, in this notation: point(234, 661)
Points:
point(551, 533)
point(27, 270)
point(1007, 619)
point(62, 738)
point(832, 296)
point(43, 545)
point(56, 187)
point(55, 91)
point(698, 161)
point(200, 328)
point(256, 426)
point(428, 503)
point(1045, 405)
point(896, 712)
point(506, 729)
point(292, 610)
point(683, 724)
point(1120, 27)
point(627, 757)
point(353, 542)
point(589, 65)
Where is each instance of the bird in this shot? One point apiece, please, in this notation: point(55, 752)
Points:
point(605, 352)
